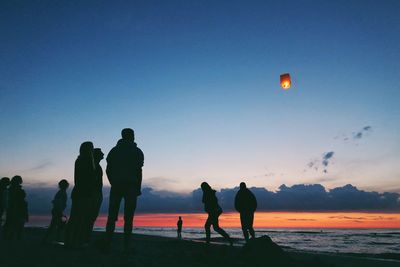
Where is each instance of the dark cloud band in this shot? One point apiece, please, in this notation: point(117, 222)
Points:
point(299, 197)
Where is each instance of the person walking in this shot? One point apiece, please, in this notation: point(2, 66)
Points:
point(214, 211)
point(246, 205)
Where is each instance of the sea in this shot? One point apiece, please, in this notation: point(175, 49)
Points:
point(364, 241)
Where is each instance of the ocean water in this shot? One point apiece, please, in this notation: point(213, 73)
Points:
point(370, 241)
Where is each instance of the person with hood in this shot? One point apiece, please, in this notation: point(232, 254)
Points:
point(214, 211)
point(17, 210)
point(124, 171)
point(82, 194)
point(246, 205)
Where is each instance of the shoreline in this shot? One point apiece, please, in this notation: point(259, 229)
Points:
point(239, 242)
point(150, 250)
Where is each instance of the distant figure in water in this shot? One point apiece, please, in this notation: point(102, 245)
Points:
point(124, 171)
point(17, 210)
point(179, 225)
point(246, 205)
point(58, 219)
point(214, 211)
point(82, 195)
point(4, 183)
point(98, 155)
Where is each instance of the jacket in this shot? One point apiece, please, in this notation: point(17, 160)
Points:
point(124, 164)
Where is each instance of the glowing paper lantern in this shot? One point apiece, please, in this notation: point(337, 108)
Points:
point(285, 81)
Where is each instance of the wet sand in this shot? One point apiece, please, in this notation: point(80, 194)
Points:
point(159, 251)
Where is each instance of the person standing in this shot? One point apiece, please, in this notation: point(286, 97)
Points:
point(59, 204)
point(214, 211)
point(82, 194)
point(124, 171)
point(179, 225)
point(246, 205)
point(4, 183)
point(17, 210)
point(98, 155)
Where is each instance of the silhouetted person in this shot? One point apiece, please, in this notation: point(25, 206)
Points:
point(17, 210)
point(214, 211)
point(4, 183)
point(98, 191)
point(179, 225)
point(246, 205)
point(58, 218)
point(124, 171)
point(82, 194)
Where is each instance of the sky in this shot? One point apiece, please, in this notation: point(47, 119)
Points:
point(198, 81)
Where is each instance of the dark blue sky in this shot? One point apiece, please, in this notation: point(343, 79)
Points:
point(199, 82)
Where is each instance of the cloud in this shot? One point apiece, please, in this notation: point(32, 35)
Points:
point(159, 182)
point(300, 197)
point(362, 132)
point(326, 158)
point(38, 167)
point(323, 162)
point(357, 135)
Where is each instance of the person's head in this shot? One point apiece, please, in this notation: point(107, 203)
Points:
point(16, 180)
point(98, 155)
point(128, 134)
point(4, 182)
point(86, 149)
point(63, 184)
point(180, 218)
point(205, 186)
point(243, 185)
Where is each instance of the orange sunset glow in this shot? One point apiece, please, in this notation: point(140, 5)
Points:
point(272, 220)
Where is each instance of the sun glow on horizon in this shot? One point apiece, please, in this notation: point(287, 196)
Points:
point(261, 220)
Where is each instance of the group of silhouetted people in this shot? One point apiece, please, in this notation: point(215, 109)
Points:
point(245, 204)
point(86, 196)
point(13, 202)
point(124, 172)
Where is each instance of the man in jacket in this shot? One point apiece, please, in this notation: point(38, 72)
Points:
point(124, 171)
point(246, 205)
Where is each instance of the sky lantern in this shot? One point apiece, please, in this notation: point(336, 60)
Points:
point(285, 81)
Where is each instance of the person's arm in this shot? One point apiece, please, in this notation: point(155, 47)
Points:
point(237, 202)
point(25, 206)
point(254, 201)
point(109, 168)
point(140, 171)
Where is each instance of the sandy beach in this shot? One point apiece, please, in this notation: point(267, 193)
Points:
point(161, 251)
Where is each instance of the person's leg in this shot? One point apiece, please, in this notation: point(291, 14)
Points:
point(243, 222)
point(95, 210)
point(207, 227)
point(77, 224)
point(130, 200)
point(251, 221)
point(219, 230)
point(113, 209)
point(50, 229)
point(19, 229)
point(1, 216)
